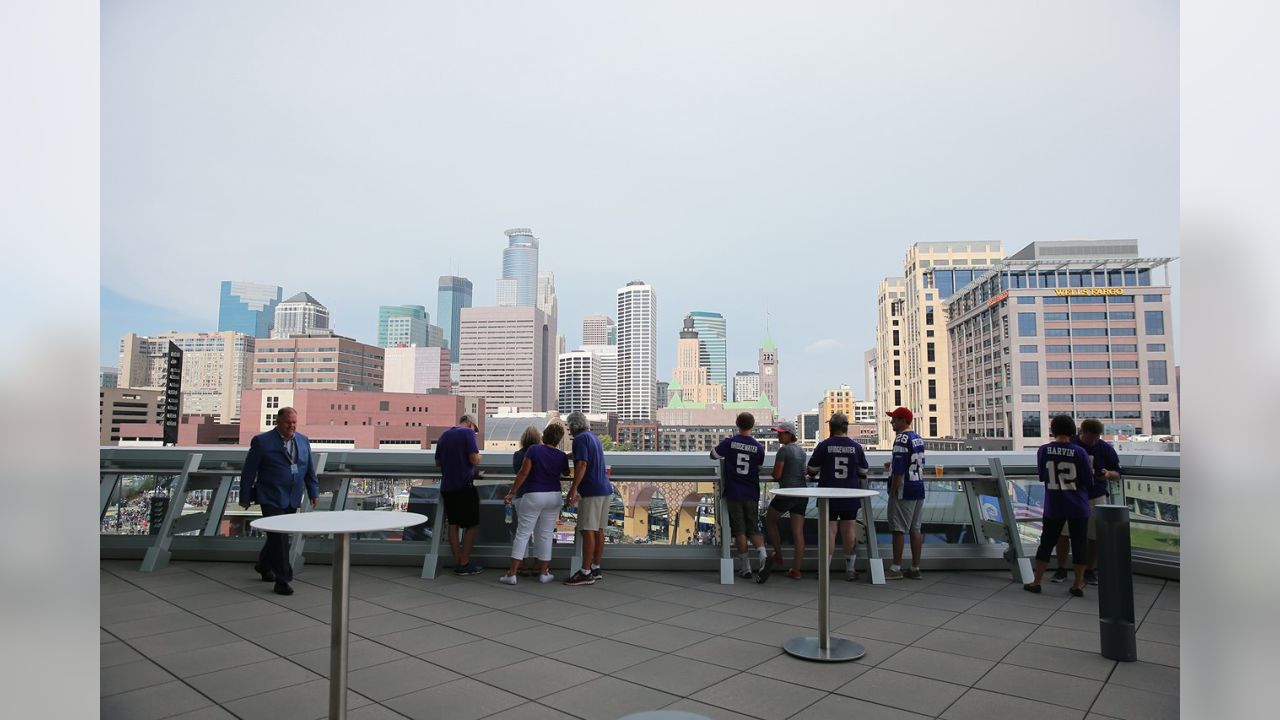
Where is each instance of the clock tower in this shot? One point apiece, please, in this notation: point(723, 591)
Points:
point(769, 371)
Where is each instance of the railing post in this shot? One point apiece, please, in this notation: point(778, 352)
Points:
point(217, 506)
point(431, 562)
point(1017, 555)
point(296, 559)
point(726, 537)
point(1115, 584)
point(874, 562)
point(157, 555)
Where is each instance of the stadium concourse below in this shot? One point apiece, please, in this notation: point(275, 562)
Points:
point(202, 639)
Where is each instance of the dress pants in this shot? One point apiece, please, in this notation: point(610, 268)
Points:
point(275, 553)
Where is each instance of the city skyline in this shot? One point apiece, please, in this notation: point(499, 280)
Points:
point(859, 149)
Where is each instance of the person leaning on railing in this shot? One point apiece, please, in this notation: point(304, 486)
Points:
point(1067, 475)
point(528, 439)
point(538, 487)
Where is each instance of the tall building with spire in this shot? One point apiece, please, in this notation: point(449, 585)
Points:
point(768, 357)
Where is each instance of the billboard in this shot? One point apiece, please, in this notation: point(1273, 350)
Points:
point(172, 394)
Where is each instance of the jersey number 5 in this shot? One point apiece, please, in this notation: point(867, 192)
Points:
point(743, 464)
point(840, 467)
point(1062, 475)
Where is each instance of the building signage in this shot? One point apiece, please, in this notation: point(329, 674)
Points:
point(998, 299)
point(1089, 291)
point(172, 394)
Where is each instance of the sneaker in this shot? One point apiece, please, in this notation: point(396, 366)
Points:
point(851, 575)
point(581, 578)
point(912, 573)
point(470, 569)
point(746, 574)
point(507, 579)
point(763, 575)
point(546, 578)
point(1091, 577)
point(461, 569)
point(795, 574)
point(596, 574)
point(1031, 588)
point(1077, 592)
point(891, 574)
point(1059, 575)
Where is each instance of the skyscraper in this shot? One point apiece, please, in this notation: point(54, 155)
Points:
point(248, 308)
point(578, 382)
point(689, 379)
point(299, 315)
point(746, 386)
point(607, 355)
point(216, 368)
point(507, 356)
point(454, 294)
point(637, 351)
point(714, 356)
point(519, 263)
point(769, 371)
point(410, 328)
point(599, 330)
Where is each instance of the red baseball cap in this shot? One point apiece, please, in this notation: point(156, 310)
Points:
point(903, 413)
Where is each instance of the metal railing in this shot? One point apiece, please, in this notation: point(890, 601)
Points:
point(159, 503)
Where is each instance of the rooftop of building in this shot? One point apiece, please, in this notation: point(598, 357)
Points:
point(303, 297)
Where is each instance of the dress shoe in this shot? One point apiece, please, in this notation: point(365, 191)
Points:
point(266, 573)
point(283, 588)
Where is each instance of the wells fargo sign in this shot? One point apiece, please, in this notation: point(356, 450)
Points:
point(1089, 291)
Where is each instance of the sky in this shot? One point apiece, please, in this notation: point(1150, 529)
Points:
point(755, 159)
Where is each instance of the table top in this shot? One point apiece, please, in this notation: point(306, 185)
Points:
point(825, 492)
point(342, 521)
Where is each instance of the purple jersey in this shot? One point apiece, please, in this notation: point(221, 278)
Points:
point(840, 461)
point(453, 456)
point(740, 458)
point(1104, 457)
point(908, 461)
point(1067, 475)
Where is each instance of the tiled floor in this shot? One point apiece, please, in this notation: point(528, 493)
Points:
point(208, 640)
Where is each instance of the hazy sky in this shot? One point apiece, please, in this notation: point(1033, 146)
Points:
point(737, 156)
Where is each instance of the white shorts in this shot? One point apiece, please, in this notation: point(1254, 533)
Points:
point(593, 512)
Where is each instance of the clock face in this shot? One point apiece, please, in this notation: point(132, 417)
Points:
point(768, 371)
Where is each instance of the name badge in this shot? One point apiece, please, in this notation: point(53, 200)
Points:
point(294, 468)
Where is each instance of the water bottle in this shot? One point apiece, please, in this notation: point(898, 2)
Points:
point(509, 513)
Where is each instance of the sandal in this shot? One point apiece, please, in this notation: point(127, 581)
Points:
point(1029, 587)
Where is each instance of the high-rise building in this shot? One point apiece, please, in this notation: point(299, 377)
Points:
point(454, 294)
point(864, 411)
point(768, 358)
point(435, 336)
point(637, 351)
point(1079, 327)
point(714, 353)
point(415, 369)
point(216, 367)
point(547, 302)
point(248, 308)
point(108, 377)
point(607, 355)
point(917, 376)
point(809, 425)
point(578, 382)
point(507, 356)
point(118, 408)
point(664, 393)
point(599, 330)
point(318, 361)
point(300, 315)
point(839, 400)
point(409, 328)
point(519, 264)
point(746, 386)
point(689, 379)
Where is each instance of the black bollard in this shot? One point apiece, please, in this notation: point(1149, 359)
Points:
point(1115, 584)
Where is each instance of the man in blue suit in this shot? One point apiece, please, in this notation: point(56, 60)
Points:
point(278, 466)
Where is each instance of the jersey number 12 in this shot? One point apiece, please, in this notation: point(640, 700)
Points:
point(1061, 475)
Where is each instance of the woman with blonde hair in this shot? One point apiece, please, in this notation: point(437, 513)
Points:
point(538, 487)
point(528, 438)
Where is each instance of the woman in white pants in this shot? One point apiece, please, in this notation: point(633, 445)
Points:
point(538, 487)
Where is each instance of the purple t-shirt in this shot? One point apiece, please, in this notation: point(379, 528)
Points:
point(587, 447)
point(1067, 475)
point(453, 457)
point(1104, 457)
point(841, 462)
point(548, 465)
point(740, 458)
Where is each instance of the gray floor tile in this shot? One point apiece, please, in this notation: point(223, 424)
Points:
point(663, 638)
point(995, 627)
point(1146, 676)
point(1011, 611)
point(820, 676)
point(653, 610)
point(878, 651)
point(768, 632)
point(939, 602)
point(152, 703)
point(155, 625)
point(758, 696)
point(451, 609)
point(360, 654)
point(531, 711)
point(854, 607)
point(374, 712)
point(808, 617)
point(384, 624)
point(212, 659)
point(248, 608)
point(704, 710)
point(605, 655)
point(962, 591)
point(406, 599)
point(476, 657)
point(729, 652)
point(272, 624)
point(623, 698)
point(545, 639)
point(116, 653)
point(422, 640)
point(1041, 685)
point(131, 676)
point(1163, 617)
point(1159, 653)
point(356, 609)
point(400, 677)
point(887, 630)
point(553, 611)
point(906, 692)
point(1061, 660)
point(602, 623)
point(1062, 637)
point(492, 624)
point(307, 701)
point(968, 644)
point(710, 620)
point(224, 686)
point(157, 646)
point(676, 675)
point(537, 677)
point(1134, 704)
point(296, 641)
point(985, 705)
point(1073, 621)
point(1154, 632)
point(116, 614)
point(914, 615)
point(752, 607)
point(840, 706)
point(938, 665)
point(218, 599)
point(694, 598)
point(211, 712)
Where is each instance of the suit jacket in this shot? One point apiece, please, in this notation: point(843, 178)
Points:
point(268, 478)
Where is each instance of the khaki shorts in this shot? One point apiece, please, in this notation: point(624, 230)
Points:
point(905, 515)
point(593, 512)
point(744, 516)
point(1093, 522)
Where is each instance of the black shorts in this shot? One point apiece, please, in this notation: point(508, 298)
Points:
point(782, 505)
point(744, 516)
point(843, 509)
point(462, 506)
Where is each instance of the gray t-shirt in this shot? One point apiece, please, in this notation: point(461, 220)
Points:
point(792, 458)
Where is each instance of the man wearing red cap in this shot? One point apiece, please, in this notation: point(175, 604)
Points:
point(906, 494)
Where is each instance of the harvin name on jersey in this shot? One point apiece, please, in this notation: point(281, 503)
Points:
point(1069, 451)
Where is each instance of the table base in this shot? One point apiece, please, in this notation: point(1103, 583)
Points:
point(838, 649)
